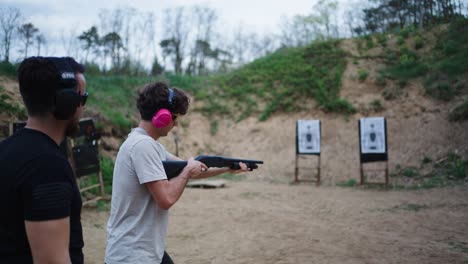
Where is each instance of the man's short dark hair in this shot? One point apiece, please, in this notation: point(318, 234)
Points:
point(37, 77)
point(155, 95)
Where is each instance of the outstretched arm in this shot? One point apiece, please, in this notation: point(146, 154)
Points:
point(217, 171)
point(166, 192)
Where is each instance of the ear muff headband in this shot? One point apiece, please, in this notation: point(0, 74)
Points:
point(67, 99)
point(163, 117)
point(171, 96)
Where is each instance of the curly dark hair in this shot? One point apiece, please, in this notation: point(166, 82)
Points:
point(155, 95)
point(37, 77)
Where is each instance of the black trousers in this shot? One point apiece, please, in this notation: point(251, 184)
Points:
point(166, 259)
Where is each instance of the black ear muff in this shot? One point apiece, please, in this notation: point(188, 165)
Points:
point(67, 99)
point(66, 102)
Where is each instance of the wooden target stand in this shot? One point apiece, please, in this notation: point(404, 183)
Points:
point(82, 153)
point(307, 144)
point(296, 171)
point(374, 151)
point(85, 160)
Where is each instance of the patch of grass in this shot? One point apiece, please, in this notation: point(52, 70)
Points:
point(406, 31)
point(380, 80)
point(410, 207)
point(454, 167)
point(460, 112)
point(283, 80)
point(401, 41)
point(114, 97)
point(418, 42)
point(214, 127)
point(391, 93)
point(426, 160)
point(459, 245)
point(362, 75)
point(348, 183)
point(382, 39)
point(440, 88)
point(409, 172)
point(7, 105)
point(447, 60)
point(408, 66)
point(107, 170)
point(376, 105)
point(452, 170)
point(8, 69)
point(103, 206)
point(369, 41)
point(432, 182)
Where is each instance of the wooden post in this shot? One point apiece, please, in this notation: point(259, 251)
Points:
point(296, 172)
point(362, 173)
point(318, 170)
point(386, 173)
point(101, 183)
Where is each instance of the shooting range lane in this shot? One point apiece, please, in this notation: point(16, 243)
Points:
point(254, 222)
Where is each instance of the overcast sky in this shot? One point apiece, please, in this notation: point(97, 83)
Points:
point(54, 15)
point(57, 19)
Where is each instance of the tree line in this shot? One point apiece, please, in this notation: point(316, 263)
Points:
point(191, 40)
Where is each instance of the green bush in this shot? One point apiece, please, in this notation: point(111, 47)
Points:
point(426, 160)
point(362, 75)
point(369, 42)
point(376, 105)
point(8, 69)
point(391, 56)
point(455, 65)
point(453, 167)
point(442, 90)
point(418, 42)
point(447, 60)
point(382, 39)
point(460, 112)
point(107, 170)
point(405, 32)
point(407, 69)
point(283, 80)
point(451, 170)
point(7, 105)
point(214, 124)
point(409, 172)
point(401, 41)
point(450, 48)
point(391, 93)
point(348, 183)
point(92, 69)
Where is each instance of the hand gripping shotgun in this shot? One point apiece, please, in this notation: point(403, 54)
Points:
point(174, 168)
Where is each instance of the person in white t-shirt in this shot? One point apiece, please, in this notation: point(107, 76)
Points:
point(141, 191)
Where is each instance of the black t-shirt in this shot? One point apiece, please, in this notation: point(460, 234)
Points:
point(36, 184)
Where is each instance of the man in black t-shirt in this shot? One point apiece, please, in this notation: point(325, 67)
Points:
point(39, 199)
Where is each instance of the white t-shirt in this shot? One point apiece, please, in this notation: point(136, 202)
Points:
point(137, 227)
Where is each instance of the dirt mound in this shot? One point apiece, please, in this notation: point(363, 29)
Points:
point(417, 126)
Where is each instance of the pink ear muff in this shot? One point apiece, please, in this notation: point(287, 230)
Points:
point(162, 118)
